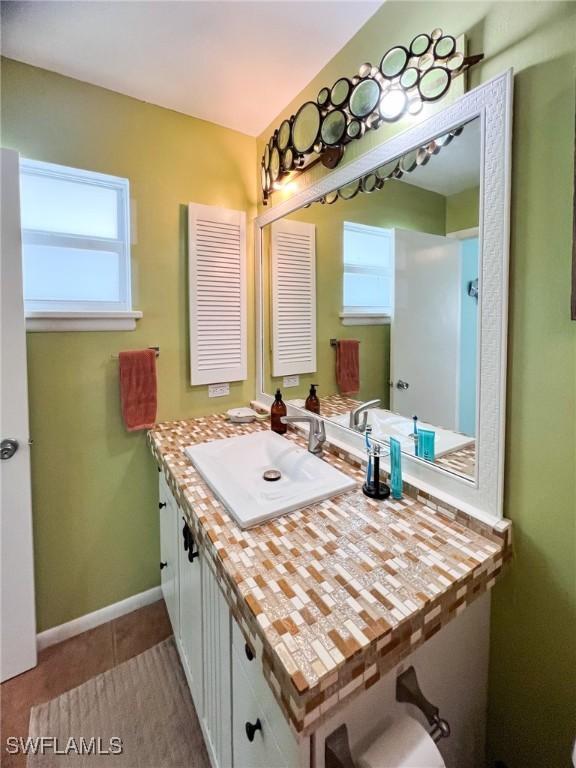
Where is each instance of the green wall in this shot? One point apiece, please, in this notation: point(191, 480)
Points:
point(532, 696)
point(94, 485)
point(462, 210)
point(397, 205)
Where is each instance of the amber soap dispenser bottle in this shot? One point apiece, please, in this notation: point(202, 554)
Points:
point(312, 403)
point(276, 412)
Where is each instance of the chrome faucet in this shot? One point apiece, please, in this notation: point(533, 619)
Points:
point(316, 434)
point(355, 423)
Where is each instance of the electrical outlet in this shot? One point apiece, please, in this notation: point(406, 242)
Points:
point(291, 381)
point(218, 390)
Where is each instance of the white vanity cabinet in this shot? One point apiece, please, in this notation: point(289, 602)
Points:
point(169, 552)
point(190, 567)
point(224, 675)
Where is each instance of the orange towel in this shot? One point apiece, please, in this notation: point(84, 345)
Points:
point(138, 388)
point(348, 366)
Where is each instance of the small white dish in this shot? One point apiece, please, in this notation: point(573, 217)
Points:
point(241, 415)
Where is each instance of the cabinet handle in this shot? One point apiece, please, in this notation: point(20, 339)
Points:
point(252, 728)
point(161, 505)
point(249, 652)
point(186, 536)
point(188, 542)
point(163, 564)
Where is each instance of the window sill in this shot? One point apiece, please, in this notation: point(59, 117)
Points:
point(364, 318)
point(81, 321)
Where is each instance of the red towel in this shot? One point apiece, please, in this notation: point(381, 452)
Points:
point(138, 388)
point(348, 366)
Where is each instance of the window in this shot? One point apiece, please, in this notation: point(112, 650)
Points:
point(75, 246)
point(368, 285)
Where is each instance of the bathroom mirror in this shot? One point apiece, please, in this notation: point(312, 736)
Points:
point(384, 277)
point(386, 283)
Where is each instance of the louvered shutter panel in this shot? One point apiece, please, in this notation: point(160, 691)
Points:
point(293, 281)
point(217, 294)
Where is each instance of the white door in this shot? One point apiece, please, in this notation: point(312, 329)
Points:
point(18, 629)
point(424, 359)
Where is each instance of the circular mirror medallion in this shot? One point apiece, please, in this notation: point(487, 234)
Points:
point(370, 183)
point(305, 127)
point(393, 104)
point(354, 129)
point(323, 96)
point(409, 78)
point(423, 156)
point(415, 105)
point(443, 141)
point(263, 178)
point(340, 91)
point(283, 135)
point(436, 34)
point(364, 70)
point(420, 45)
point(409, 161)
point(387, 170)
point(455, 61)
point(444, 47)
point(331, 197)
point(271, 142)
point(394, 62)
point(348, 191)
point(266, 157)
point(364, 98)
point(274, 163)
point(288, 160)
point(333, 127)
point(434, 83)
point(425, 62)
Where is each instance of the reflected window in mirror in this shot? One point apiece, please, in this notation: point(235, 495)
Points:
point(368, 284)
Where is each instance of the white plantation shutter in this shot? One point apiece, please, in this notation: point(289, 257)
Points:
point(217, 294)
point(293, 280)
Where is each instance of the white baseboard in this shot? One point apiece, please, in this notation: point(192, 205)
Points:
point(94, 619)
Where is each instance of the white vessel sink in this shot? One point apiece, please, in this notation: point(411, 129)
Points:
point(386, 424)
point(234, 469)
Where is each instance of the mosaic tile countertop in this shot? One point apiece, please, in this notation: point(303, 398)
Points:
point(336, 594)
point(462, 461)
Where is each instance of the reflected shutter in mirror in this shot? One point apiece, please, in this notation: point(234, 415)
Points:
point(293, 279)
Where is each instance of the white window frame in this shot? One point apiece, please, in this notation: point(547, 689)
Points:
point(366, 315)
point(84, 315)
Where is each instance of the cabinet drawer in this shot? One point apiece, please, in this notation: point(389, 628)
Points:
point(252, 670)
point(262, 751)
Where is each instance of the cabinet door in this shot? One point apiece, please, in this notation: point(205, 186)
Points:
point(169, 553)
point(252, 737)
point(191, 613)
point(217, 710)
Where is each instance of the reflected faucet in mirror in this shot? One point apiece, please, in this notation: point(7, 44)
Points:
point(355, 423)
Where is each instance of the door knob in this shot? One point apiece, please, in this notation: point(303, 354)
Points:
point(402, 384)
point(8, 448)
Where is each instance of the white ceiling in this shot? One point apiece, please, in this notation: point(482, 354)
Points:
point(455, 168)
point(233, 63)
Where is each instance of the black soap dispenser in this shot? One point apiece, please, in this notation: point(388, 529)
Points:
point(312, 403)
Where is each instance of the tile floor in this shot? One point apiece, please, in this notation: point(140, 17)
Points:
point(68, 664)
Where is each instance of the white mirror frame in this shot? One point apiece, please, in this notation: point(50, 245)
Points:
point(481, 496)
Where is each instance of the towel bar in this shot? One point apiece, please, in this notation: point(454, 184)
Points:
point(156, 349)
point(335, 342)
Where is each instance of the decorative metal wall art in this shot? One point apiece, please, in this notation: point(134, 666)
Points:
point(395, 169)
point(405, 80)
